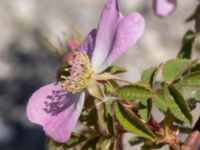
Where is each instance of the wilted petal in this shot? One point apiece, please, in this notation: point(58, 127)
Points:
point(105, 32)
point(88, 44)
point(163, 8)
point(129, 30)
point(56, 110)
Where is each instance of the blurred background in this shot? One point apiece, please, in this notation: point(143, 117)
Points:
point(26, 63)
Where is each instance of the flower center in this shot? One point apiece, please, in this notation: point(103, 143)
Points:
point(80, 73)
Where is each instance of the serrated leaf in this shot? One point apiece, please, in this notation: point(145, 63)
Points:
point(187, 45)
point(148, 75)
point(132, 92)
point(160, 102)
point(133, 124)
point(145, 109)
point(172, 69)
point(115, 69)
point(192, 79)
point(177, 105)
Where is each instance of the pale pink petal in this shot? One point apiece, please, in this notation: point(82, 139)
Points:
point(56, 110)
point(129, 30)
point(71, 47)
point(105, 32)
point(164, 8)
point(88, 44)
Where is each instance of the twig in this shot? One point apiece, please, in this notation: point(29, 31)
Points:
point(193, 138)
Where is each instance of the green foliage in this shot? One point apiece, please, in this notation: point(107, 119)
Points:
point(197, 25)
point(148, 76)
point(135, 140)
point(133, 92)
point(192, 79)
point(159, 101)
point(132, 123)
point(174, 68)
point(177, 105)
point(113, 107)
point(187, 45)
point(145, 109)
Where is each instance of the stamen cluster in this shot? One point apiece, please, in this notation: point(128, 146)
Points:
point(80, 74)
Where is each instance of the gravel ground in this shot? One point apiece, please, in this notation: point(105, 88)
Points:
point(26, 63)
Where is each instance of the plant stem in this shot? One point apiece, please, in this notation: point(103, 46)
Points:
point(193, 138)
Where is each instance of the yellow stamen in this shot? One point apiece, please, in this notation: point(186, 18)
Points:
point(80, 75)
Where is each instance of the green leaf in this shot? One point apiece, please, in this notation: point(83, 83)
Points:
point(192, 79)
point(177, 104)
point(145, 109)
point(115, 69)
point(135, 140)
point(159, 101)
point(148, 75)
point(133, 124)
point(195, 15)
point(195, 67)
point(187, 45)
point(132, 92)
point(174, 68)
point(197, 25)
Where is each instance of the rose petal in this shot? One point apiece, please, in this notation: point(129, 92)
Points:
point(71, 47)
point(105, 32)
point(56, 110)
point(164, 8)
point(88, 44)
point(129, 30)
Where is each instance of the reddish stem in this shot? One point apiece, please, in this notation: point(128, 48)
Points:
point(193, 138)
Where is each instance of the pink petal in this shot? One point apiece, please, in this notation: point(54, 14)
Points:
point(89, 43)
point(105, 32)
point(164, 8)
point(56, 110)
point(71, 46)
point(129, 30)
